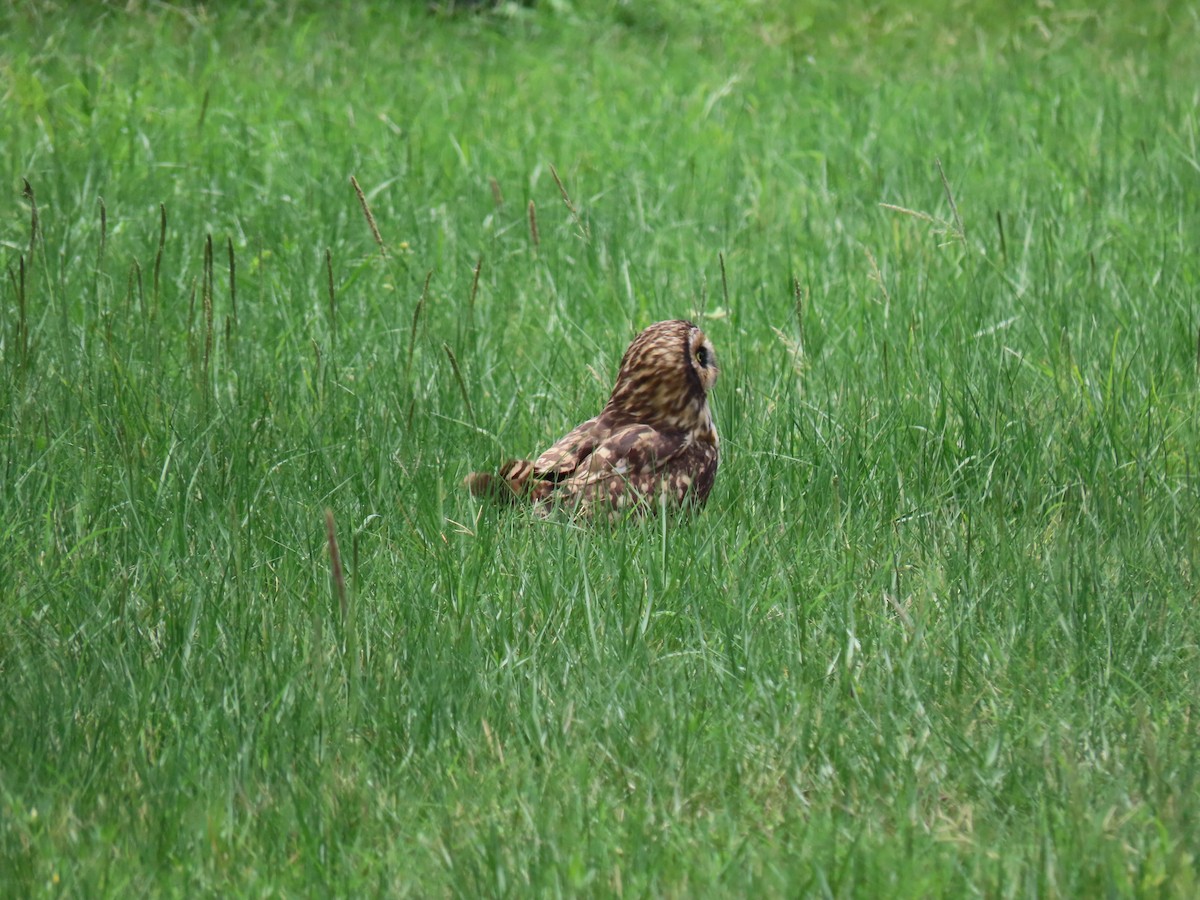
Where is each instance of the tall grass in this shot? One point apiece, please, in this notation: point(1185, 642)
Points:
point(281, 276)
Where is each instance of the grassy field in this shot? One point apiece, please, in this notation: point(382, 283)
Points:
point(936, 631)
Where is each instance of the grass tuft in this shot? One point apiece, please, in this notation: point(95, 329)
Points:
point(959, 230)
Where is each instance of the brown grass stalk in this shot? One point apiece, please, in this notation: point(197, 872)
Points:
point(362, 201)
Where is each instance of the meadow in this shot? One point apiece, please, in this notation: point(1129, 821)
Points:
point(279, 275)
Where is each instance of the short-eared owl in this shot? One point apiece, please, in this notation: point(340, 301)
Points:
point(653, 442)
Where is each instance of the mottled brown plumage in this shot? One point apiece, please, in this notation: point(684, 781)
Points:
point(654, 442)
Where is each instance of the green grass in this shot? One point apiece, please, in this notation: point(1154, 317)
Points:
point(934, 634)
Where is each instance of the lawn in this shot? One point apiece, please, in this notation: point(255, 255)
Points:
point(285, 270)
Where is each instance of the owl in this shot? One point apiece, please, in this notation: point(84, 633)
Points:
point(653, 443)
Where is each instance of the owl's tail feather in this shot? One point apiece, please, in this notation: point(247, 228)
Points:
point(510, 484)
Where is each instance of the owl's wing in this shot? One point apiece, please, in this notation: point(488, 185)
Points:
point(593, 468)
point(636, 462)
point(568, 452)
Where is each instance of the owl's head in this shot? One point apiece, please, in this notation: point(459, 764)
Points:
point(665, 378)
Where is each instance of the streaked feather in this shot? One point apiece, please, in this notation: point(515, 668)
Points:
point(654, 441)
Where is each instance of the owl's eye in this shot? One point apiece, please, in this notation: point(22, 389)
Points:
point(702, 357)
